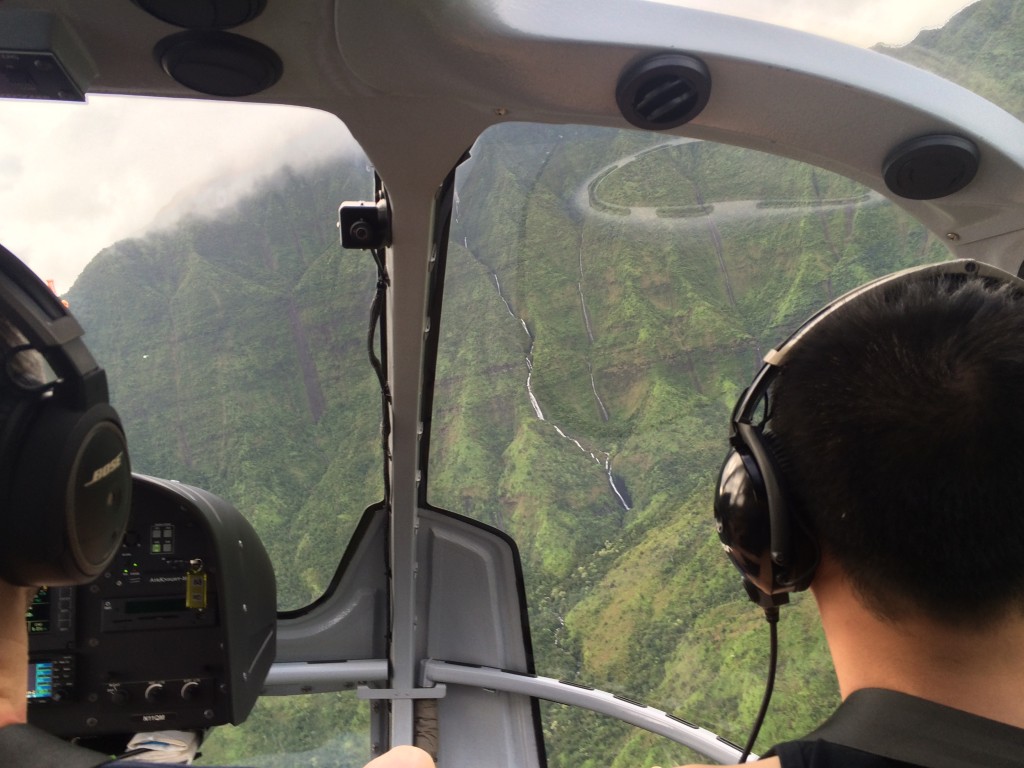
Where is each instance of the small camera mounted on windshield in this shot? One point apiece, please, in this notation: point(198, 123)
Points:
point(364, 225)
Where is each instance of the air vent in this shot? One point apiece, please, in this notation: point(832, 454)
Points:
point(930, 167)
point(203, 14)
point(664, 91)
point(219, 63)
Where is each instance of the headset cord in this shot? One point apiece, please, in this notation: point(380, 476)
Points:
point(771, 615)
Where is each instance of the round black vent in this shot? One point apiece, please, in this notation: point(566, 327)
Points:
point(219, 63)
point(930, 167)
point(664, 91)
point(203, 14)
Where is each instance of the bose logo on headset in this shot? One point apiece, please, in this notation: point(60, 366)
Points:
point(106, 470)
point(762, 535)
point(65, 476)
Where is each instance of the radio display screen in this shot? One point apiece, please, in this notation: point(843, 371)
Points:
point(40, 612)
point(40, 680)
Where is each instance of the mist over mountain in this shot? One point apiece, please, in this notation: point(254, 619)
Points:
point(216, 194)
point(608, 295)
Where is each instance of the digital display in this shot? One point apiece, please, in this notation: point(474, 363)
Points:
point(40, 612)
point(155, 605)
point(40, 680)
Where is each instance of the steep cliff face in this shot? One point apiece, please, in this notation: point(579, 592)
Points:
point(981, 48)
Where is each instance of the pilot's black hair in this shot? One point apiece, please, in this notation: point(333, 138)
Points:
point(901, 424)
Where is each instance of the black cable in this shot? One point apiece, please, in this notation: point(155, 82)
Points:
point(771, 615)
point(376, 317)
point(378, 321)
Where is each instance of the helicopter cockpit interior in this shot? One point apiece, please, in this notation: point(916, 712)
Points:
point(431, 315)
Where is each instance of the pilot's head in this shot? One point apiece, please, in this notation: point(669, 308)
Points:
point(895, 428)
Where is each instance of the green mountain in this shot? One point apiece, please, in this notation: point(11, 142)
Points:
point(598, 326)
point(981, 48)
point(236, 353)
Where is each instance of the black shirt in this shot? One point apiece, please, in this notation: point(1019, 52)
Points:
point(824, 754)
point(875, 728)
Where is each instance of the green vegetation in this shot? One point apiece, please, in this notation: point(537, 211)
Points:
point(652, 274)
point(324, 730)
point(980, 48)
point(236, 354)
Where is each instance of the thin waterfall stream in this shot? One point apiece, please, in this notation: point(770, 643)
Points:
point(602, 458)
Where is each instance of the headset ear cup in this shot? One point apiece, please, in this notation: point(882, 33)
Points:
point(743, 519)
point(65, 477)
point(70, 495)
point(764, 537)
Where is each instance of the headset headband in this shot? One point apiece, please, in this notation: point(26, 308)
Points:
point(775, 359)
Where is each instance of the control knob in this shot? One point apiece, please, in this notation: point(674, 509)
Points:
point(155, 693)
point(190, 690)
point(118, 695)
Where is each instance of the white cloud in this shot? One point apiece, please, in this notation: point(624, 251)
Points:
point(859, 22)
point(75, 178)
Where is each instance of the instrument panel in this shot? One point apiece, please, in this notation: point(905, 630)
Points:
point(177, 633)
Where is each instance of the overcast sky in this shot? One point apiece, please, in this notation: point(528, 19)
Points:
point(860, 22)
point(76, 178)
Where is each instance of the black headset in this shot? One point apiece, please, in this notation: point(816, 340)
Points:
point(65, 477)
point(763, 533)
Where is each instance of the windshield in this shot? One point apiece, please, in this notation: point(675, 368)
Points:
point(196, 243)
point(610, 294)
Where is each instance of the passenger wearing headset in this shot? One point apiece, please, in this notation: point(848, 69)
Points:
point(878, 459)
